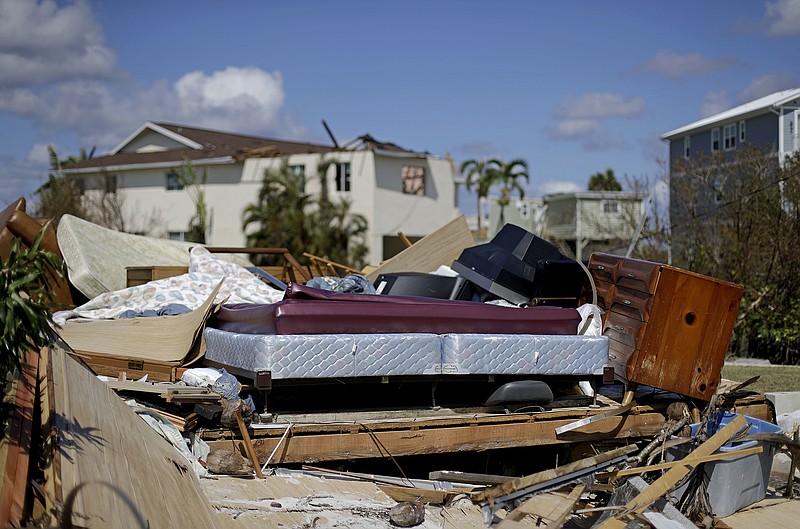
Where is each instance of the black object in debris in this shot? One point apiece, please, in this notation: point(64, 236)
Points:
point(420, 284)
point(520, 393)
point(509, 267)
point(558, 282)
point(210, 412)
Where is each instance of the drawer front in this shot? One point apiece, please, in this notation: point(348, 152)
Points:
point(638, 275)
point(631, 303)
point(623, 329)
point(605, 294)
point(618, 355)
point(603, 266)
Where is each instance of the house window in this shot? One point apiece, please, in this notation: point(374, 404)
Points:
point(742, 135)
point(524, 209)
point(343, 176)
point(729, 136)
point(173, 182)
point(687, 146)
point(413, 180)
point(715, 139)
point(300, 172)
point(610, 207)
point(111, 184)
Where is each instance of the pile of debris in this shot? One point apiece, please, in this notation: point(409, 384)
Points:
point(438, 402)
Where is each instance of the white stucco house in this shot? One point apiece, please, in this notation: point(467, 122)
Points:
point(395, 189)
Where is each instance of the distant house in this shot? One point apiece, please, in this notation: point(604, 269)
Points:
point(584, 221)
point(771, 123)
point(396, 189)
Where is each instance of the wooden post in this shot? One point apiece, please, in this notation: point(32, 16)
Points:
point(248, 444)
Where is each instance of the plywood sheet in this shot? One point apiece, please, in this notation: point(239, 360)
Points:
point(441, 247)
point(126, 475)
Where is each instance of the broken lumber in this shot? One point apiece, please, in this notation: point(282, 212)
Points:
point(662, 485)
point(553, 507)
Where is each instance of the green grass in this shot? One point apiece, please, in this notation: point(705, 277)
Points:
point(772, 378)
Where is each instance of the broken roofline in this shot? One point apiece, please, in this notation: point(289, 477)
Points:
point(199, 143)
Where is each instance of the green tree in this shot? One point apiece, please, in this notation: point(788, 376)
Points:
point(196, 187)
point(605, 181)
point(508, 175)
point(279, 214)
point(337, 234)
point(62, 195)
point(288, 217)
point(738, 219)
point(476, 173)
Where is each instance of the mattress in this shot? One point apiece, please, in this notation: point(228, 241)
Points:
point(97, 257)
point(305, 310)
point(362, 355)
point(516, 354)
point(326, 355)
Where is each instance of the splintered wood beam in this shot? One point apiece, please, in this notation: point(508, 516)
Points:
point(554, 507)
point(314, 447)
point(663, 484)
point(551, 475)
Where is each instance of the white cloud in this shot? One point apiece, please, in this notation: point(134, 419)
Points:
point(767, 84)
point(247, 100)
point(677, 66)
point(571, 129)
point(39, 154)
point(234, 99)
point(714, 103)
point(783, 17)
point(42, 42)
point(599, 105)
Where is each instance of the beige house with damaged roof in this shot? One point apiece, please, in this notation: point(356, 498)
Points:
point(395, 189)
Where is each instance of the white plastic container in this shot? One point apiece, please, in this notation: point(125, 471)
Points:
point(737, 482)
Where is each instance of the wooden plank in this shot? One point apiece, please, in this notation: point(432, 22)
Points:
point(469, 477)
point(525, 482)
point(434, 497)
point(123, 473)
point(16, 444)
point(554, 507)
point(441, 247)
point(335, 446)
point(689, 460)
point(251, 453)
point(663, 484)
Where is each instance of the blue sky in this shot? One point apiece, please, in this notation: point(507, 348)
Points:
point(573, 87)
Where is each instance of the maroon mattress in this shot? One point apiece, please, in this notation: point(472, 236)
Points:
point(306, 310)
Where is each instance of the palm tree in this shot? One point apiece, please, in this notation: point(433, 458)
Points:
point(507, 176)
point(477, 174)
point(606, 181)
point(279, 213)
point(286, 216)
point(336, 232)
